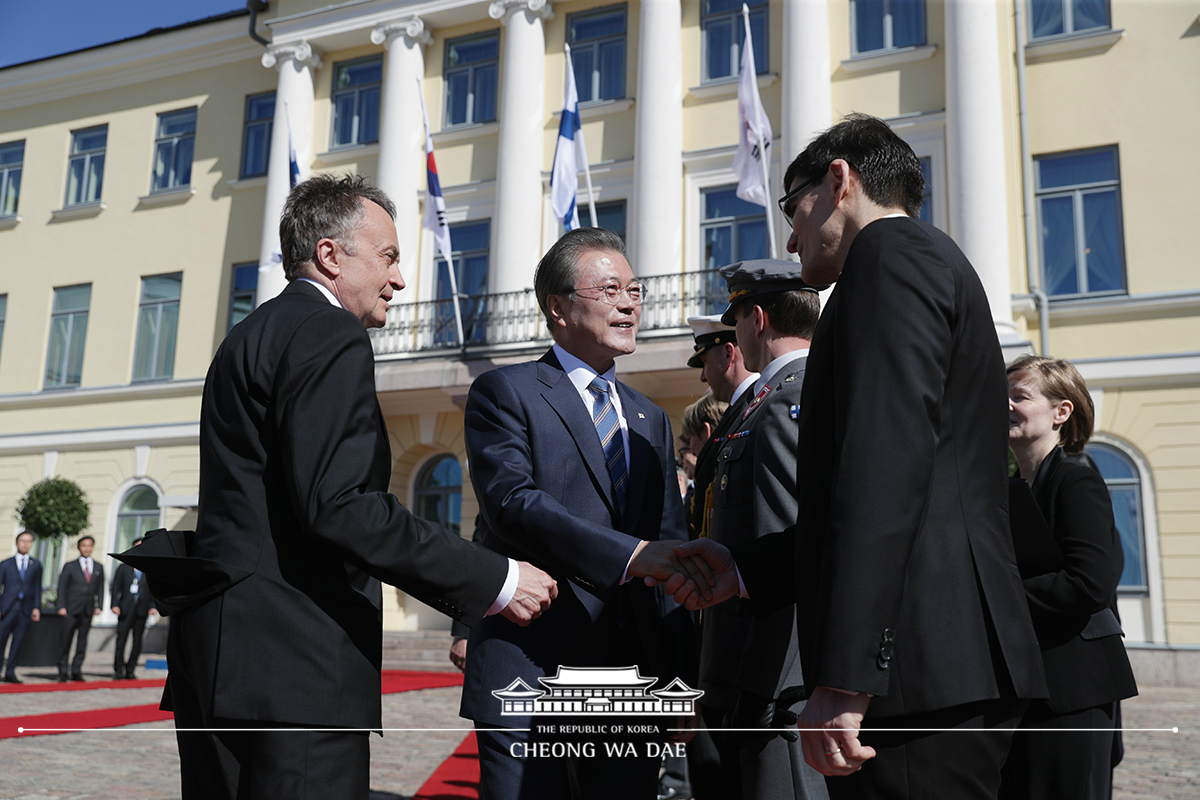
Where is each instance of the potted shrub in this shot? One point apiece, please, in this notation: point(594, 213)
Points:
point(53, 510)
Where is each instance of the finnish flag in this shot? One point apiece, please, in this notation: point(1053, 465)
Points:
point(569, 153)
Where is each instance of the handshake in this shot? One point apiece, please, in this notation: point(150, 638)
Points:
point(699, 574)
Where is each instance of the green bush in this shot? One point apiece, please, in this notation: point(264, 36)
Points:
point(53, 508)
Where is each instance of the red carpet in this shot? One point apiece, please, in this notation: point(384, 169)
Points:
point(457, 777)
point(394, 680)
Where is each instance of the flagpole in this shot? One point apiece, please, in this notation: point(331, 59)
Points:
point(763, 157)
point(431, 198)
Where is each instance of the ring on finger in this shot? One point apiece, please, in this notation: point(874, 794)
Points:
point(834, 752)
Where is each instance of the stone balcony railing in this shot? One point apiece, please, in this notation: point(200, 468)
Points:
point(513, 318)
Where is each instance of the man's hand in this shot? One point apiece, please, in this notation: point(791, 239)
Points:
point(535, 590)
point(36, 615)
point(62, 612)
point(687, 728)
point(708, 558)
point(458, 653)
point(96, 613)
point(829, 726)
point(660, 562)
point(116, 610)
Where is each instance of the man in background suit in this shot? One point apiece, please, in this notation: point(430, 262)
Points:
point(574, 471)
point(746, 662)
point(910, 609)
point(277, 604)
point(20, 598)
point(133, 604)
point(717, 356)
point(80, 592)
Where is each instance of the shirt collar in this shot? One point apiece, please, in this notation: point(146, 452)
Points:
point(771, 369)
point(742, 387)
point(580, 373)
point(324, 290)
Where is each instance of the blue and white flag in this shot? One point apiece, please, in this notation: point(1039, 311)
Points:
point(293, 162)
point(569, 153)
point(756, 134)
point(434, 218)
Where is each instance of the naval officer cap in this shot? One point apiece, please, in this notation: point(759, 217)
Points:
point(708, 332)
point(762, 276)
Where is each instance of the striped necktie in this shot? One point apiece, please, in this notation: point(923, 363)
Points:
point(608, 427)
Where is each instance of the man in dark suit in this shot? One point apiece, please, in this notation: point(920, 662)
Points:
point(746, 662)
point(133, 604)
point(910, 609)
point(574, 471)
point(20, 597)
point(719, 360)
point(281, 620)
point(80, 592)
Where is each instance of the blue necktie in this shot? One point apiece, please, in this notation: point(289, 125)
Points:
point(21, 567)
point(608, 427)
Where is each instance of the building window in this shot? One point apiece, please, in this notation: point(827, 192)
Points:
point(886, 25)
point(597, 40)
point(723, 33)
point(470, 243)
point(439, 492)
point(138, 515)
point(256, 134)
point(356, 86)
point(245, 285)
point(85, 171)
point(158, 321)
point(1079, 210)
point(610, 216)
point(1125, 489)
point(173, 150)
point(733, 230)
point(470, 75)
point(12, 157)
point(1059, 17)
point(68, 331)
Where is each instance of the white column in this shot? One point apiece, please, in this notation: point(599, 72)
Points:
point(806, 86)
point(517, 224)
point(655, 216)
point(401, 171)
point(975, 151)
point(294, 101)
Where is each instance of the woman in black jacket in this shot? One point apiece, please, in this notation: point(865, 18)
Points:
point(1074, 606)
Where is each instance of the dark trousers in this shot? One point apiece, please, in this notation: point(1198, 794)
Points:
point(1050, 763)
point(938, 761)
point(14, 623)
point(126, 624)
point(83, 624)
point(222, 759)
point(538, 774)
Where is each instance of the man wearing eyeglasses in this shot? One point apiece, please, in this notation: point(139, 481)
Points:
point(901, 565)
point(575, 471)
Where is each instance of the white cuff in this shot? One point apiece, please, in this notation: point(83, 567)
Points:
point(507, 590)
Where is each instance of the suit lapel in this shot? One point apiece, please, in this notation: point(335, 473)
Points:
point(641, 456)
point(560, 393)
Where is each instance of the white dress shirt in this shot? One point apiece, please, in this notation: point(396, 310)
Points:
point(771, 369)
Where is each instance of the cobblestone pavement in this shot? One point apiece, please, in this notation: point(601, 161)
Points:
point(140, 762)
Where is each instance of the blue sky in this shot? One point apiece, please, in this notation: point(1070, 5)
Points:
point(36, 29)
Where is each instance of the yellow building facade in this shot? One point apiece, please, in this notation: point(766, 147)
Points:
point(140, 182)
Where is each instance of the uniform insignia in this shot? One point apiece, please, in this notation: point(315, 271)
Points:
point(724, 481)
point(794, 412)
point(790, 378)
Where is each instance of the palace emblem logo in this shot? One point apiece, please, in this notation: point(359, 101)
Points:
point(600, 691)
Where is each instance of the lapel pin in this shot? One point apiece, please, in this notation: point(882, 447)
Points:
point(641, 415)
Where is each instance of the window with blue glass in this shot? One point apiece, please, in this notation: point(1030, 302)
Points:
point(732, 230)
point(241, 299)
point(610, 216)
point(439, 492)
point(1079, 221)
point(723, 34)
point(877, 25)
point(472, 64)
point(256, 134)
point(471, 244)
point(356, 93)
point(85, 169)
point(597, 40)
point(12, 158)
point(1125, 490)
point(158, 324)
point(68, 332)
point(1049, 18)
point(173, 148)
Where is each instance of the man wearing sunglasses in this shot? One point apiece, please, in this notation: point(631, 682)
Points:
point(901, 566)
